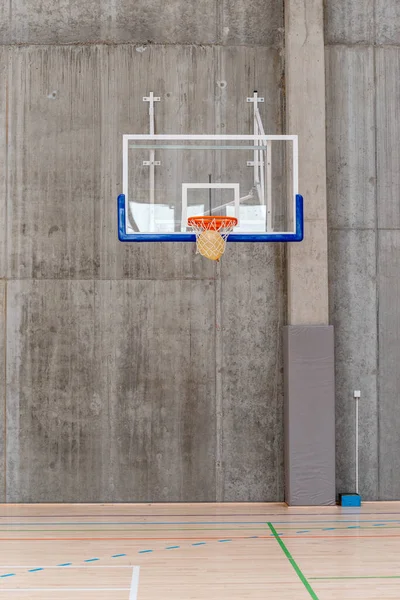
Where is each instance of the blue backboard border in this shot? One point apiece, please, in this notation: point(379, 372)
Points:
point(296, 236)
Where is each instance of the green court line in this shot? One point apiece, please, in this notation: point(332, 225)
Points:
point(356, 577)
point(293, 562)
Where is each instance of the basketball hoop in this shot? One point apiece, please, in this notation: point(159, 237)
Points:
point(211, 233)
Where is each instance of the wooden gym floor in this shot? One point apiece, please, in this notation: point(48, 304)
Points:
point(199, 552)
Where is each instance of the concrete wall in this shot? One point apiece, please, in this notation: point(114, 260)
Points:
point(363, 132)
point(145, 373)
point(133, 372)
point(241, 22)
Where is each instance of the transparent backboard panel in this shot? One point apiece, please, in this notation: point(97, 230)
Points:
point(168, 181)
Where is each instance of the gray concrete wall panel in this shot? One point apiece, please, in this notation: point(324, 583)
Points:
point(351, 152)
point(57, 438)
point(144, 21)
point(349, 21)
point(251, 22)
point(110, 391)
point(54, 166)
point(59, 22)
point(388, 135)
point(353, 307)
point(387, 18)
point(362, 22)
point(157, 345)
point(253, 309)
point(389, 361)
point(237, 69)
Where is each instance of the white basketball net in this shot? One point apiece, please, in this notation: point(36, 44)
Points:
point(211, 235)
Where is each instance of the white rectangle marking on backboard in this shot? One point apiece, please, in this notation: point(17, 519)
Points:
point(208, 186)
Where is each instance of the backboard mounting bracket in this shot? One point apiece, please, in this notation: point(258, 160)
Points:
point(152, 162)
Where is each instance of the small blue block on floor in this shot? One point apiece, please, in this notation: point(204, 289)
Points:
point(349, 499)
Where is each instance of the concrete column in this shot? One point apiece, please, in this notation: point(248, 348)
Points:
point(308, 339)
point(305, 110)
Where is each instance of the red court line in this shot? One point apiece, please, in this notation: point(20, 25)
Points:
point(121, 539)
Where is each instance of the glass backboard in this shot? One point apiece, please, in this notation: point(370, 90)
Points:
point(168, 179)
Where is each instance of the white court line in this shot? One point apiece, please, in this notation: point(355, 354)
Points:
point(91, 566)
point(134, 583)
point(133, 590)
point(65, 589)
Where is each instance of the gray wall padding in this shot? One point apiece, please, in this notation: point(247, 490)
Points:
point(309, 415)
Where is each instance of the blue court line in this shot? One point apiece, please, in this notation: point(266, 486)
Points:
point(91, 559)
point(328, 529)
point(379, 524)
point(353, 527)
point(305, 531)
